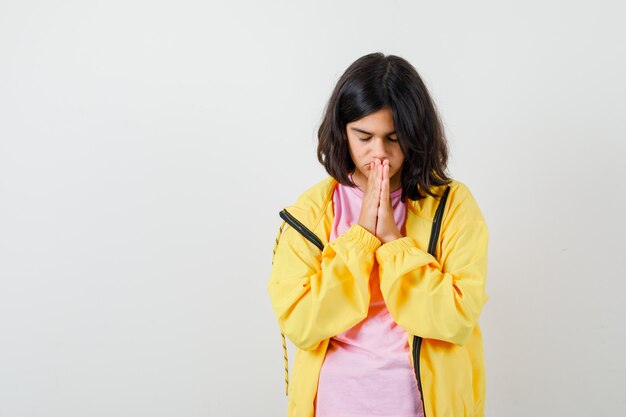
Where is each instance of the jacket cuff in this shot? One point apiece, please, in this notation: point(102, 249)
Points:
point(361, 238)
point(393, 248)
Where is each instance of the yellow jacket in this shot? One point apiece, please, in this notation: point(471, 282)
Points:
point(318, 294)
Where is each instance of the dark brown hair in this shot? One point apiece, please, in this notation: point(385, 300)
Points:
point(371, 83)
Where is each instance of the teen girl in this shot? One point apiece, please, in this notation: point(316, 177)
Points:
point(352, 283)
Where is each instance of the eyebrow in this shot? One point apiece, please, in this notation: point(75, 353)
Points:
point(369, 133)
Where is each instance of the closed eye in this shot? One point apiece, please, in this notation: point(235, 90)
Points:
point(389, 138)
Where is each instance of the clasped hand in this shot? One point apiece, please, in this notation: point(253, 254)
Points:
point(376, 211)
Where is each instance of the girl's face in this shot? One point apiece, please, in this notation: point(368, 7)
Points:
point(371, 137)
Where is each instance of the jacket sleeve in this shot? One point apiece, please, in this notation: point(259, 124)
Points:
point(316, 295)
point(433, 300)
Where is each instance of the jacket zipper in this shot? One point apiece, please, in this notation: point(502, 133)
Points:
point(432, 248)
point(434, 234)
point(417, 344)
point(304, 231)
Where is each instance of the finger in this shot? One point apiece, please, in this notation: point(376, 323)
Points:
point(384, 190)
point(369, 207)
point(372, 171)
point(375, 173)
point(385, 164)
point(371, 178)
point(373, 192)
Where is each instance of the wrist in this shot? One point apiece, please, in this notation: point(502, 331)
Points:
point(368, 227)
point(389, 238)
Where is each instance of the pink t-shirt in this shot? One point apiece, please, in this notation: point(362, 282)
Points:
point(367, 370)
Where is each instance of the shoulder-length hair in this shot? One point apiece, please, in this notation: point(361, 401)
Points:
point(373, 82)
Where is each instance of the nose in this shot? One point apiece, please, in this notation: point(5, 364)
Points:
point(379, 149)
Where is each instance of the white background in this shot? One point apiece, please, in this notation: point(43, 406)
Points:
point(146, 148)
